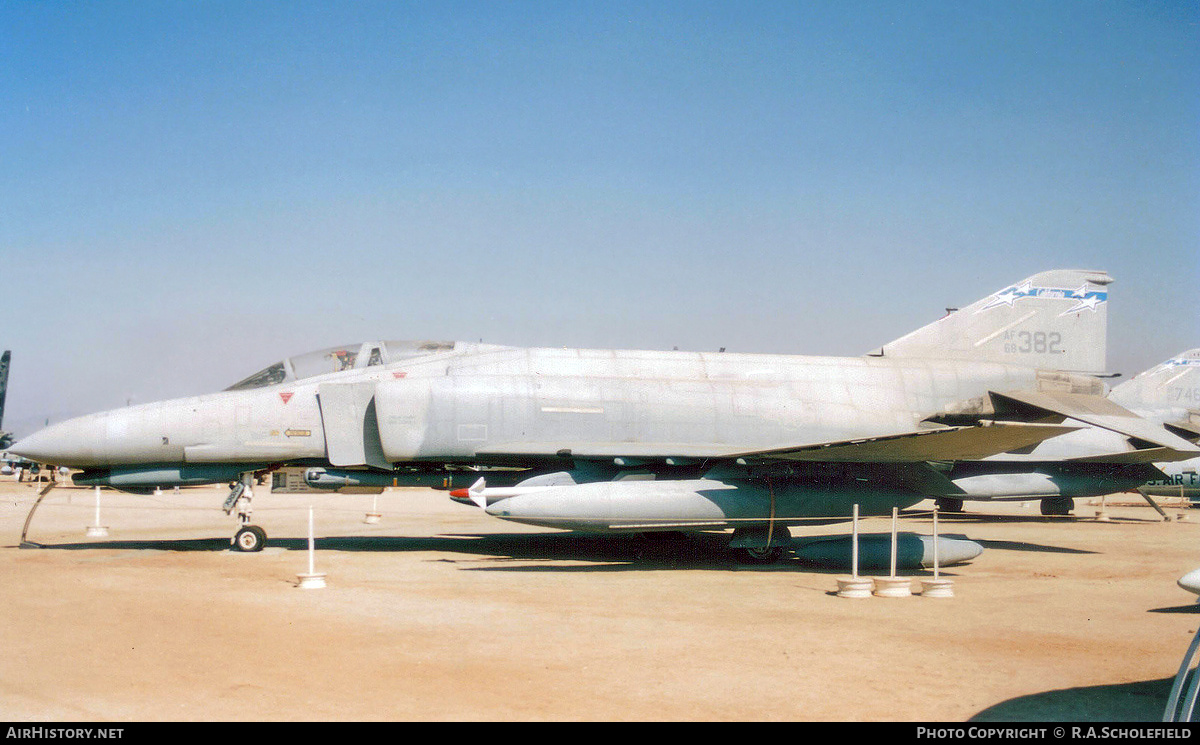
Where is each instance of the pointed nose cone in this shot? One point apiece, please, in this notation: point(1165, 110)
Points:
point(74, 442)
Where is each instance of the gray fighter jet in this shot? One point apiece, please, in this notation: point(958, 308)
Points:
point(635, 441)
point(1168, 393)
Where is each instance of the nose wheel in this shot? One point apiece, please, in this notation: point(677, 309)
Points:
point(250, 538)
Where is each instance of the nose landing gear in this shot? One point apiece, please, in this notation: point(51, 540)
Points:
point(249, 537)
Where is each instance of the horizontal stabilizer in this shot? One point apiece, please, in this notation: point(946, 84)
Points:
point(1095, 410)
point(1187, 430)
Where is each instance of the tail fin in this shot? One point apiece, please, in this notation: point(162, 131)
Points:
point(1056, 320)
point(1174, 383)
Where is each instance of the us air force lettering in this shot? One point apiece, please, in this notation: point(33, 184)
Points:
point(618, 440)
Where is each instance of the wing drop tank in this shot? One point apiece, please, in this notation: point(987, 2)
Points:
point(615, 506)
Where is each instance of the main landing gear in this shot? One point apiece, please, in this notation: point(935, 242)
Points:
point(248, 537)
point(759, 555)
point(948, 504)
point(1057, 506)
point(760, 545)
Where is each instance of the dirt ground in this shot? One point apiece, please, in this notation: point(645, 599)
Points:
point(439, 612)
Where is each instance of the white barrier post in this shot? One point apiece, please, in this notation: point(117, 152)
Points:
point(936, 562)
point(373, 516)
point(313, 579)
point(894, 515)
point(854, 586)
point(936, 587)
point(893, 586)
point(854, 546)
point(96, 530)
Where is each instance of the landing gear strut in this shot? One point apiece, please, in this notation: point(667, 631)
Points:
point(249, 537)
point(1154, 504)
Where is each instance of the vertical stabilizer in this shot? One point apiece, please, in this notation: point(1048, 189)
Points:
point(1172, 384)
point(1055, 320)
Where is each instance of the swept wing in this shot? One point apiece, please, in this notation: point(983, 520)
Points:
point(944, 443)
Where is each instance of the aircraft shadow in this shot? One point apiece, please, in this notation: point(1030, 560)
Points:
point(1189, 608)
point(698, 551)
point(1023, 546)
point(1143, 701)
point(588, 552)
point(981, 518)
point(591, 552)
point(703, 550)
point(191, 544)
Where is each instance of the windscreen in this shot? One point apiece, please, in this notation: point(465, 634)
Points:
point(261, 379)
point(337, 359)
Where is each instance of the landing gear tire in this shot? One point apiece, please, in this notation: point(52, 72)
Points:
point(766, 555)
point(950, 505)
point(250, 538)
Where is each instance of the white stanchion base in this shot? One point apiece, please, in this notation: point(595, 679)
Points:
point(97, 531)
point(893, 587)
point(313, 581)
point(1102, 516)
point(937, 588)
point(372, 518)
point(855, 587)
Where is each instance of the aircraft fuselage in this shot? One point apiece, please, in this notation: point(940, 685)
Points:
point(514, 403)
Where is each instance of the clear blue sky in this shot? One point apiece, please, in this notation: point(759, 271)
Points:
point(189, 191)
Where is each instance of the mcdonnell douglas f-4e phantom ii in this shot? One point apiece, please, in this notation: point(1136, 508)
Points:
point(637, 441)
point(1168, 393)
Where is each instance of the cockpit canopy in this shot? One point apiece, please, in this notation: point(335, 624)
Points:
point(336, 359)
